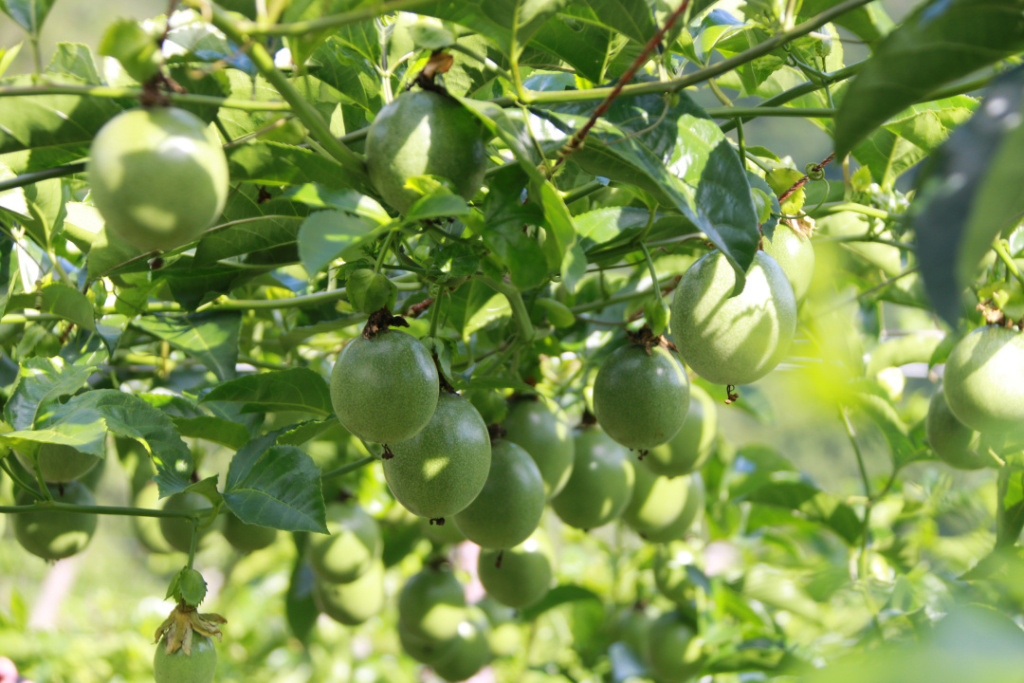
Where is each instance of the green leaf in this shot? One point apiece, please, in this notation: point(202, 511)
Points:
point(584, 46)
point(7, 57)
point(937, 44)
point(509, 24)
point(210, 338)
point(136, 49)
point(38, 207)
point(275, 486)
point(8, 266)
point(188, 585)
point(74, 59)
point(274, 163)
point(870, 23)
point(83, 422)
point(328, 235)
point(631, 18)
point(214, 430)
point(69, 304)
point(42, 381)
point(437, 206)
point(299, 606)
point(789, 491)
point(556, 597)
point(1010, 515)
point(369, 291)
point(29, 14)
point(870, 399)
point(296, 389)
point(968, 193)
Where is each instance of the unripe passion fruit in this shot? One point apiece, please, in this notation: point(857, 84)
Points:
point(956, 444)
point(670, 573)
point(982, 381)
point(438, 472)
point(178, 530)
point(354, 602)
point(431, 605)
point(158, 176)
point(795, 255)
point(56, 534)
point(352, 547)
point(656, 502)
point(693, 444)
point(424, 133)
point(469, 651)
point(384, 389)
point(641, 396)
point(178, 667)
point(691, 512)
point(674, 650)
point(601, 482)
point(60, 463)
point(247, 538)
point(546, 436)
point(423, 650)
point(524, 574)
point(509, 507)
point(733, 339)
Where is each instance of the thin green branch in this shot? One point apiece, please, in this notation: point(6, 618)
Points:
point(999, 246)
point(98, 510)
point(351, 467)
point(300, 28)
point(750, 112)
point(110, 92)
point(35, 176)
point(515, 300)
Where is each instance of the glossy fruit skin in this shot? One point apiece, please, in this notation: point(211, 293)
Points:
point(197, 667)
point(733, 340)
point(695, 499)
point(431, 605)
point(438, 472)
point(601, 482)
point(670, 576)
point(158, 176)
point(55, 534)
point(384, 389)
point(641, 399)
point(60, 463)
point(546, 436)
point(247, 538)
point(423, 650)
point(795, 255)
point(354, 602)
point(442, 534)
point(693, 444)
point(352, 548)
point(424, 133)
point(177, 530)
point(469, 651)
point(656, 502)
point(674, 651)
point(630, 626)
point(982, 380)
point(956, 444)
point(509, 507)
point(524, 576)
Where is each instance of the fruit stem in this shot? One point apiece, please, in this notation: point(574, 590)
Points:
point(17, 480)
point(384, 252)
point(655, 285)
point(515, 300)
point(345, 469)
point(194, 543)
point(999, 246)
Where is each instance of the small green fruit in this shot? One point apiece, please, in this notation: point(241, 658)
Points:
point(601, 482)
point(509, 507)
point(60, 463)
point(469, 651)
point(442, 469)
point(674, 650)
point(352, 548)
point(178, 667)
point(956, 444)
point(384, 389)
point(631, 626)
point(178, 530)
point(795, 255)
point(693, 444)
point(670, 574)
point(641, 398)
point(431, 605)
point(730, 339)
point(546, 436)
point(247, 538)
point(424, 133)
point(519, 576)
point(656, 503)
point(56, 534)
point(354, 602)
point(982, 381)
point(425, 651)
point(691, 512)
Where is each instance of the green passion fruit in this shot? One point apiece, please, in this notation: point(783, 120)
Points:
point(199, 666)
point(423, 650)
point(424, 133)
point(56, 534)
point(351, 549)
point(674, 650)
point(982, 380)
point(177, 531)
point(247, 538)
point(354, 602)
point(641, 396)
point(469, 651)
point(384, 389)
point(509, 507)
point(60, 463)
point(431, 605)
point(953, 442)
point(441, 534)
point(546, 436)
point(695, 499)
point(520, 576)
point(670, 572)
point(601, 482)
point(693, 444)
point(730, 339)
point(795, 255)
point(442, 469)
point(159, 176)
point(656, 503)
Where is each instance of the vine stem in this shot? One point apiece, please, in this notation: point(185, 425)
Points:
point(1000, 248)
point(17, 480)
point(515, 300)
point(576, 141)
point(97, 510)
point(869, 503)
point(351, 467)
point(655, 287)
point(194, 543)
point(107, 91)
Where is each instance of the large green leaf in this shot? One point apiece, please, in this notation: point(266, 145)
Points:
point(296, 389)
point(69, 304)
point(214, 430)
point(807, 501)
point(40, 382)
point(968, 193)
point(509, 24)
point(274, 163)
point(29, 14)
point(869, 23)
point(937, 44)
point(275, 486)
point(584, 47)
point(631, 18)
point(327, 235)
point(269, 226)
point(211, 338)
point(1010, 515)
